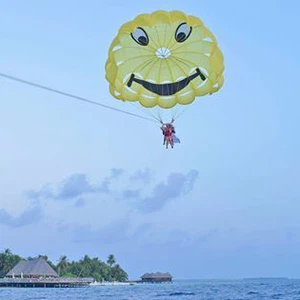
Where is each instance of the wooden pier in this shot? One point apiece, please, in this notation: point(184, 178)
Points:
point(59, 282)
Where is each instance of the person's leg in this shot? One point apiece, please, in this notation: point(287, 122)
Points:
point(170, 141)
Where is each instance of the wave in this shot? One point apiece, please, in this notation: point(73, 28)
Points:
point(181, 294)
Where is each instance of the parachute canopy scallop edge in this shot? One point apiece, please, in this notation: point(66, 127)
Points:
point(163, 59)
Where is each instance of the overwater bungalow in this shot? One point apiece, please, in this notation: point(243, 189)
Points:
point(33, 268)
point(156, 277)
point(38, 273)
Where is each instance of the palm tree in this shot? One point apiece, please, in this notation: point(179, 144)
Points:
point(7, 252)
point(62, 264)
point(118, 274)
point(111, 260)
point(7, 261)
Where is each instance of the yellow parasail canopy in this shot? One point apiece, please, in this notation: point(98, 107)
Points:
point(163, 59)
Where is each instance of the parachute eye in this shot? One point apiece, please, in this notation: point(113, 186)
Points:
point(140, 36)
point(183, 31)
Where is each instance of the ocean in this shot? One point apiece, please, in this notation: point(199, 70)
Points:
point(181, 289)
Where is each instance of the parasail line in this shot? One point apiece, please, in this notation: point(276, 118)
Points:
point(49, 89)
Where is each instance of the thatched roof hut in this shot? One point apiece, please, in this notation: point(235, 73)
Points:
point(37, 267)
point(156, 277)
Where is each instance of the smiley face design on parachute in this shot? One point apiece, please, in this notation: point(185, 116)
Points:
point(164, 59)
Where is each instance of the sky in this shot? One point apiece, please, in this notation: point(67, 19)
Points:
point(79, 179)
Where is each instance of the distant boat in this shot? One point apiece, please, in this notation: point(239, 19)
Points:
point(106, 283)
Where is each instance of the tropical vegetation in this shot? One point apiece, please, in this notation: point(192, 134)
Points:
point(85, 267)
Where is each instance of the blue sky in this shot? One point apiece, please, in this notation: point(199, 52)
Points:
point(77, 179)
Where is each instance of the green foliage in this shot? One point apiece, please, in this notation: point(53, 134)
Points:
point(68, 275)
point(93, 267)
point(85, 267)
point(111, 260)
point(7, 261)
point(118, 273)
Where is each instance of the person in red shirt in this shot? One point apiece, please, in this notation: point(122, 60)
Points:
point(168, 130)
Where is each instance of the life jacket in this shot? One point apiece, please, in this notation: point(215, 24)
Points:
point(168, 132)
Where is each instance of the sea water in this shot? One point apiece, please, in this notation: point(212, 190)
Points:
point(181, 289)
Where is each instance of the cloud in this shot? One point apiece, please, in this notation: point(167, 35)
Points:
point(30, 216)
point(45, 192)
point(116, 173)
point(104, 187)
point(145, 176)
point(74, 186)
point(78, 185)
point(177, 185)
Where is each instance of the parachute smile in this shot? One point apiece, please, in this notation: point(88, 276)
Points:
point(166, 89)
